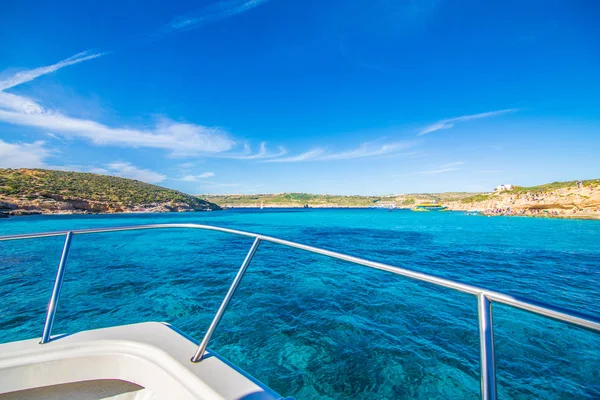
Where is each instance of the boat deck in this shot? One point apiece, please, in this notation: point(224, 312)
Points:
point(142, 361)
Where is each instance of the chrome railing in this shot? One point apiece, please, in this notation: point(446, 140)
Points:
point(485, 297)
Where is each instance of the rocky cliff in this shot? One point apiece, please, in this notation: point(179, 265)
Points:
point(559, 199)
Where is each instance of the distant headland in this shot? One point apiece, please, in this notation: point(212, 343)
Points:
point(39, 191)
point(572, 199)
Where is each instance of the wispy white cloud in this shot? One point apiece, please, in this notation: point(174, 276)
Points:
point(437, 171)
point(449, 123)
point(212, 13)
point(369, 150)
point(122, 169)
point(23, 155)
point(221, 184)
point(262, 153)
point(216, 12)
point(128, 170)
point(449, 167)
point(452, 164)
point(435, 127)
point(196, 178)
point(365, 150)
point(180, 138)
point(310, 155)
point(55, 137)
point(229, 187)
point(19, 104)
point(26, 76)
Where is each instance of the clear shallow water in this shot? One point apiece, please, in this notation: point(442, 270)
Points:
point(311, 327)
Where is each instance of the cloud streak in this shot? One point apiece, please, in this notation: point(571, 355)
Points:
point(26, 76)
point(23, 155)
point(365, 150)
point(452, 164)
point(262, 153)
point(449, 167)
point(437, 171)
point(311, 155)
point(196, 178)
point(449, 123)
point(128, 170)
point(34, 155)
point(219, 11)
point(199, 17)
point(181, 139)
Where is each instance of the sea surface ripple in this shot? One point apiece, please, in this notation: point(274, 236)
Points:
point(311, 327)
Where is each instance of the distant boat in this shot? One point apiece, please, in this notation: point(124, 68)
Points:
point(424, 207)
point(261, 205)
point(389, 205)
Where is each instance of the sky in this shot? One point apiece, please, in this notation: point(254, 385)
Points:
point(320, 96)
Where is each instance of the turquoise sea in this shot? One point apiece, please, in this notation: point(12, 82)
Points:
point(311, 327)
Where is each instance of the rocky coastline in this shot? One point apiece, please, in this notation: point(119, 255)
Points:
point(37, 191)
point(575, 202)
point(59, 205)
point(567, 200)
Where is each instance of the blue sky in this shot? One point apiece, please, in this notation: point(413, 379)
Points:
point(322, 96)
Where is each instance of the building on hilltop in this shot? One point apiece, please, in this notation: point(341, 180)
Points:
point(502, 188)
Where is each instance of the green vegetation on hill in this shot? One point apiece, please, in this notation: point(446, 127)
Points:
point(476, 198)
point(554, 186)
point(327, 200)
point(35, 184)
point(455, 200)
point(295, 199)
point(539, 189)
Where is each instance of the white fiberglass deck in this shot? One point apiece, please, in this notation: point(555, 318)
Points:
point(141, 361)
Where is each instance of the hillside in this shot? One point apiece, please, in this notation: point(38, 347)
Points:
point(558, 199)
point(38, 191)
point(287, 200)
point(295, 200)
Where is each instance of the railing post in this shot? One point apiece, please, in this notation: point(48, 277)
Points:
point(486, 343)
point(236, 281)
point(56, 290)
